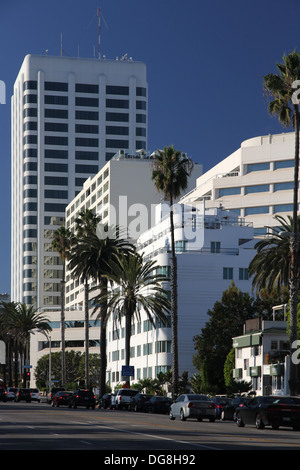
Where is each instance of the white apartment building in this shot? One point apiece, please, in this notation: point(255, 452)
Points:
point(213, 248)
point(69, 117)
point(121, 193)
point(255, 181)
point(262, 356)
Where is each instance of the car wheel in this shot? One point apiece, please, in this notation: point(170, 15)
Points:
point(239, 421)
point(259, 424)
point(182, 417)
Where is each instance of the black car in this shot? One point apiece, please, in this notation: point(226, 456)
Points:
point(158, 404)
point(3, 394)
point(220, 402)
point(105, 401)
point(53, 391)
point(139, 402)
point(61, 398)
point(23, 394)
point(270, 410)
point(229, 410)
point(82, 398)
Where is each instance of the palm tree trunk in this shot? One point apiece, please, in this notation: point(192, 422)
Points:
point(86, 324)
point(103, 314)
point(174, 306)
point(62, 326)
point(294, 274)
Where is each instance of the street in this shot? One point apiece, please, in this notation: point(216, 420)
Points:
point(34, 426)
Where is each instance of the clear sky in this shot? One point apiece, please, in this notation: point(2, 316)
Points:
point(205, 62)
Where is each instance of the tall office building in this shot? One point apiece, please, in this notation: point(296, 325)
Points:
point(69, 117)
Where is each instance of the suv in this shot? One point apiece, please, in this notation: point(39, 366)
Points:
point(11, 393)
point(124, 397)
point(82, 398)
point(23, 394)
point(35, 394)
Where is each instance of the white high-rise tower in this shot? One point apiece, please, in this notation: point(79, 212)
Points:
point(69, 117)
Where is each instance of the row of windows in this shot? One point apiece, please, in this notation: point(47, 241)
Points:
point(82, 115)
point(145, 350)
point(59, 100)
point(89, 142)
point(258, 188)
point(84, 88)
point(228, 273)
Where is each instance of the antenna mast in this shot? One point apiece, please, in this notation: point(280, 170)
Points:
point(99, 23)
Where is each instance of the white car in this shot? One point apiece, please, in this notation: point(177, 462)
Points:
point(11, 393)
point(35, 395)
point(193, 406)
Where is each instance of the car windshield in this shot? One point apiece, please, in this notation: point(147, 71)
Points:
point(197, 398)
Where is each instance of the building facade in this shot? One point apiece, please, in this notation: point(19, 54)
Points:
point(214, 248)
point(256, 181)
point(69, 117)
point(262, 356)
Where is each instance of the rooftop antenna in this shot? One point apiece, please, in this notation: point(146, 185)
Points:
point(99, 28)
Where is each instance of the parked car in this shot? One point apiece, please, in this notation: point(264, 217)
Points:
point(270, 410)
point(229, 410)
point(3, 394)
point(158, 404)
point(113, 401)
point(124, 396)
point(82, 398)
point(23, 394)
point(139, 402)
point(193, 406)
point(53, 391)
point(35, 394)
point(61, 398)
point(105, 401)
point(11, 393)
point(220, 402)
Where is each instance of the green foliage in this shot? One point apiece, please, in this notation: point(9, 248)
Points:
point(226, 321)
point(75, 370)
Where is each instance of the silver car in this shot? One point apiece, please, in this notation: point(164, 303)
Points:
point(193, 406)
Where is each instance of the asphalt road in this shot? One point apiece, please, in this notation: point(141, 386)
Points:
point(124, 434)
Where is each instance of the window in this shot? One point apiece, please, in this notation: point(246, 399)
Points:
point(56, 127)
point(86, 155)
point(92, 169)
point(87, 115)
point(229, 191)
point(58, 100)
point(117, 103)
point(117, 90)
point(215, 247)
point(59, 167)
point(284, 164)
point(243, 274)
point(90, 102)
point(259, 188)
point(55, 140)
point(141, 91)
point(56, 86)
point(56, 181)
point(117, 130)
point(56, 194)
point(117, 143)
point(121, 117)
point(54, 207)
point(227, 273)
point(51, 153)
point(86, 88)
point(283, 186)
point(257, 210)
point(86, 142)
point(257, 167)
point(283, 208)
point(56, 113)
point(86, 129)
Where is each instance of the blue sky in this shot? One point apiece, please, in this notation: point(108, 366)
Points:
point(205, 62)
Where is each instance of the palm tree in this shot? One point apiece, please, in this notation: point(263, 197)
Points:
point(92, 255)
point(171, 170)
point(139, 289)
point(86, 223)
point(22, 319)
point(270, 267)
point(62, 241)
point(285, 105)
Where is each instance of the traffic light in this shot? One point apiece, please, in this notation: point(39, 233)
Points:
point(27, 375)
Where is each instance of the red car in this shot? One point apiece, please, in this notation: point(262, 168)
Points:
point(61, 398)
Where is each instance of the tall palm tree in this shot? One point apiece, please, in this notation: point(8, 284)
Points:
point(270, 267)
point(139, 290)
point(94, 253)
point(86, 224)
point(171, 170)
point(62, 241)
point(280, 88)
